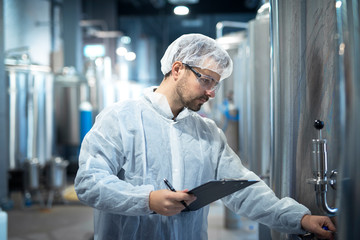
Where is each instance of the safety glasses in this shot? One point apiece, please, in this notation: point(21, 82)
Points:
point(206, 82)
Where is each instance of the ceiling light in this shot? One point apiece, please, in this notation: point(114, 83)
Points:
point(179, 2)
point(121, 51)
point(94, 50)
point(130, 56)
point(107, 34)
point(181, 10)
point(338, 4)
point(125, 40)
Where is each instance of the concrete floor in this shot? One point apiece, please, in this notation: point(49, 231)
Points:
point(75, 221)
point(58, 223)
point(247, 230)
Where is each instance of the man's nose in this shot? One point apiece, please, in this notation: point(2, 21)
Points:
point(210, 93)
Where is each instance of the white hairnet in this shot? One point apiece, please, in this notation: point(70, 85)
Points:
point(200, 51)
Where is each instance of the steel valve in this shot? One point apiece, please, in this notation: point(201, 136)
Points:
point(320, 171)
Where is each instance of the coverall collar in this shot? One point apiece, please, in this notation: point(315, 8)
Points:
point(161, 105)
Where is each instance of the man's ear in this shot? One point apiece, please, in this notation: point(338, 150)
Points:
point(176, 69)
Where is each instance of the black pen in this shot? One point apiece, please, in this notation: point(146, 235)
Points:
point(173, 189)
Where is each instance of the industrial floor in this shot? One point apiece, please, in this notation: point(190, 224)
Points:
point(75, 221)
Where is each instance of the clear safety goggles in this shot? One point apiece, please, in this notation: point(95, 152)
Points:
point(206, 82)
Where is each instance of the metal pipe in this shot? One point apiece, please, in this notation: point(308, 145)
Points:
point(262, 12)
point(221, 25)
point(12, 117)
point(321, 200)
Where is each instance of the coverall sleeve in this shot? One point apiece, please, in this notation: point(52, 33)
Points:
point(258, 202)
point(101, 158)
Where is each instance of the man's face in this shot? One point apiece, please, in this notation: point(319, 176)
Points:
point(191, 93)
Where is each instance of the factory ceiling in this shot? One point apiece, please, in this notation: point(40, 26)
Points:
point(165, 7)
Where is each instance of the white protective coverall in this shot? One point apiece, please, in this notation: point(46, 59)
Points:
point(135, 144)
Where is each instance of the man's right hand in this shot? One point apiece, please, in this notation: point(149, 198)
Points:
point(168, 203)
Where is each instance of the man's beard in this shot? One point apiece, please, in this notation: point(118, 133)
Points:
point(190, 102)
point(194, 105)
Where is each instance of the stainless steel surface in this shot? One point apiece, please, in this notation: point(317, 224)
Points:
point(30, 93)
point(242, 97)
point(259, 97)
point(56, 173)
point(348, 184)
point(231, 43)
point(304, 87)
point(32, 174)
point(70, 91)
point(256, 111)
point(32, 181)
point(4, 124)
point(250, 82)
point(321, 200)
point(221, 25)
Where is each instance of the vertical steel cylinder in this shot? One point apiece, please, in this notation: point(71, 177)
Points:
point(304, 86)
point(348, 15)
point(32, 174)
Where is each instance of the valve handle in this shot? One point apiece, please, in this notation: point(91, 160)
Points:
point(318, 124)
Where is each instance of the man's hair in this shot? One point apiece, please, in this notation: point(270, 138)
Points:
point(167, 75)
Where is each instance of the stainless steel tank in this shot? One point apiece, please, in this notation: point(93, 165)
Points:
point(304, 87)
point(32, 172)
point(30, 98)
point(250, 83)
point(70, 90)
point(227, 98)
point(348, 13)
point(228, 103)
point(259, 96)
point(56, 173)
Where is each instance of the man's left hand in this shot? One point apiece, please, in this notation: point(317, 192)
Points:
point(315, 224)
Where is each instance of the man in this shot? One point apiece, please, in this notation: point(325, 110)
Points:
point(134, 145)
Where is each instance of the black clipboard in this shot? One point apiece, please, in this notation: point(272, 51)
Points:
point(214, 190)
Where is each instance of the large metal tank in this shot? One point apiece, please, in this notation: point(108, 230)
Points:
point(228, 102)
point(348, 13)
point(258, 101)
point(250, 82)
point(242, 99)
point(305, 87)
point(30, 97)
point(259, 94)
point(70, 90)
point(227, 98)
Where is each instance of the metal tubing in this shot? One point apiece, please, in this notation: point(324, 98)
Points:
point(221, 25)
point(321, 201)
